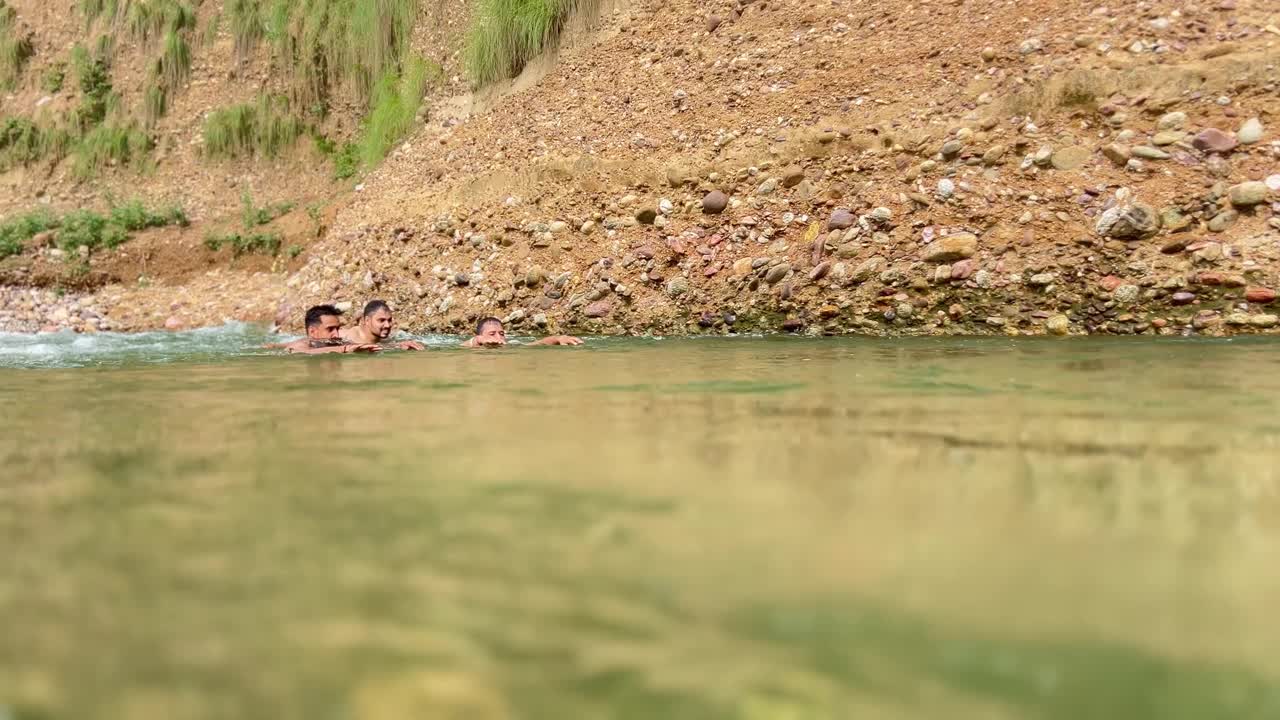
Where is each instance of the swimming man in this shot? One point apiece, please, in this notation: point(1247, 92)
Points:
point(374, 328)
point(490, 333)
point(324, 328)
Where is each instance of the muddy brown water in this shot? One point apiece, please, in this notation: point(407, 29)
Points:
point(743, 528)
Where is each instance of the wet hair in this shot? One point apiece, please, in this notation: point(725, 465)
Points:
point(374, 306)
point(316, 312)
point(485, 321)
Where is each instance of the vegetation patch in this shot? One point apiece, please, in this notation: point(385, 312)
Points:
point(326, 44)
point(23, 142)
point(241, 244)
point(141, 20)
point(506, 34)
point(261, 129)
point(396, 100)
point(110, 145)
point(85, 227)
point(15, 47)
point(96, 96)
point(54, 76)
point(253, 216)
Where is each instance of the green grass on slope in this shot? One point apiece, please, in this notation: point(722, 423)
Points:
point(325, 45)
point(506, 34)
point(15, 48)
point(261, 129)
point(85, 227)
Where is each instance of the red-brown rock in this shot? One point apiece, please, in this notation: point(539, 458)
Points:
point(1260, 295)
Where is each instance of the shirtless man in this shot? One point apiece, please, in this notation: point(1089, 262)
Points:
point(323, 335)
point(490, 333)
point(374, 328)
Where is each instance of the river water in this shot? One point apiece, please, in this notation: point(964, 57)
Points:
point(764, 529)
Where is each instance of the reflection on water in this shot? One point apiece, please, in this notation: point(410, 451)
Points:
point(646, 529)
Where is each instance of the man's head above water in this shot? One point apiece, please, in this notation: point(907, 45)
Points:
point(489, 331)
point(323, 322)
point(377, 320)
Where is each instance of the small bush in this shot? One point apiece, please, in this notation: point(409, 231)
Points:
point(134, 215)
point(85, 227)
point(16, 231)
point(258, 243)
point(146, 20)
point(253, 216)
point(506, 34)
point(294, 251)
point(108, 146)
point(53, 78)
point(94, 80)
point(263, 129)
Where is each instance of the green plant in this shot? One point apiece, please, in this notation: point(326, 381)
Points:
point(346, 162)
point(155, 101)
point(54, 76)
point(294, 251)
point(259, 243)
point(15, 48)
point(23, 142)
point(506, 34)
point(260, 129)
point(174, 64)
point(326, 44)
point(395, 107)
point(210, 33)
point(17, 230)
point(85, 227)
point(134, 215)
point(94, 80)
point(253, 216)
point(110, 145)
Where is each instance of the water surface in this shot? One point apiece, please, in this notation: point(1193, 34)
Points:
point(711, 528)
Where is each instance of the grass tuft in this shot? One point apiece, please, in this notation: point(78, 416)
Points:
point(257, 243)
point(506, 34)
point(23, 142)
point(173, 67)
point(253, 216)
point(326, 44)
point(110, 145)
point(15, 48)
point(395, 107)
point(155, 101)
point(261, 129)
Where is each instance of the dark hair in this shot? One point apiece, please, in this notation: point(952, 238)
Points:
point(485, 321)
point(374, 306)
point(316, 312)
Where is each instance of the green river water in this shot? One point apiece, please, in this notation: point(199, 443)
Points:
point(755, 529)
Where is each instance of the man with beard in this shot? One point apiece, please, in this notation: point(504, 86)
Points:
point(375, 327)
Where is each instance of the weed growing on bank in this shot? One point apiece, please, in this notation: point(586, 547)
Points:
point(261, 129)
point(15, 48)
point(86, 228)
point(241, 244)
point(507, 34)
point(252, 215)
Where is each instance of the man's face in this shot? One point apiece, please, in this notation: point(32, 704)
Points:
point(492, 334)
point(379, 323)
point(327, 329)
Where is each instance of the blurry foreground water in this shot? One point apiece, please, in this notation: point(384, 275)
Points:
point(713, 528)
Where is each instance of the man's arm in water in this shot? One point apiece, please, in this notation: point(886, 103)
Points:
point(558, 340)
point(307, 346)
point(410, 345)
